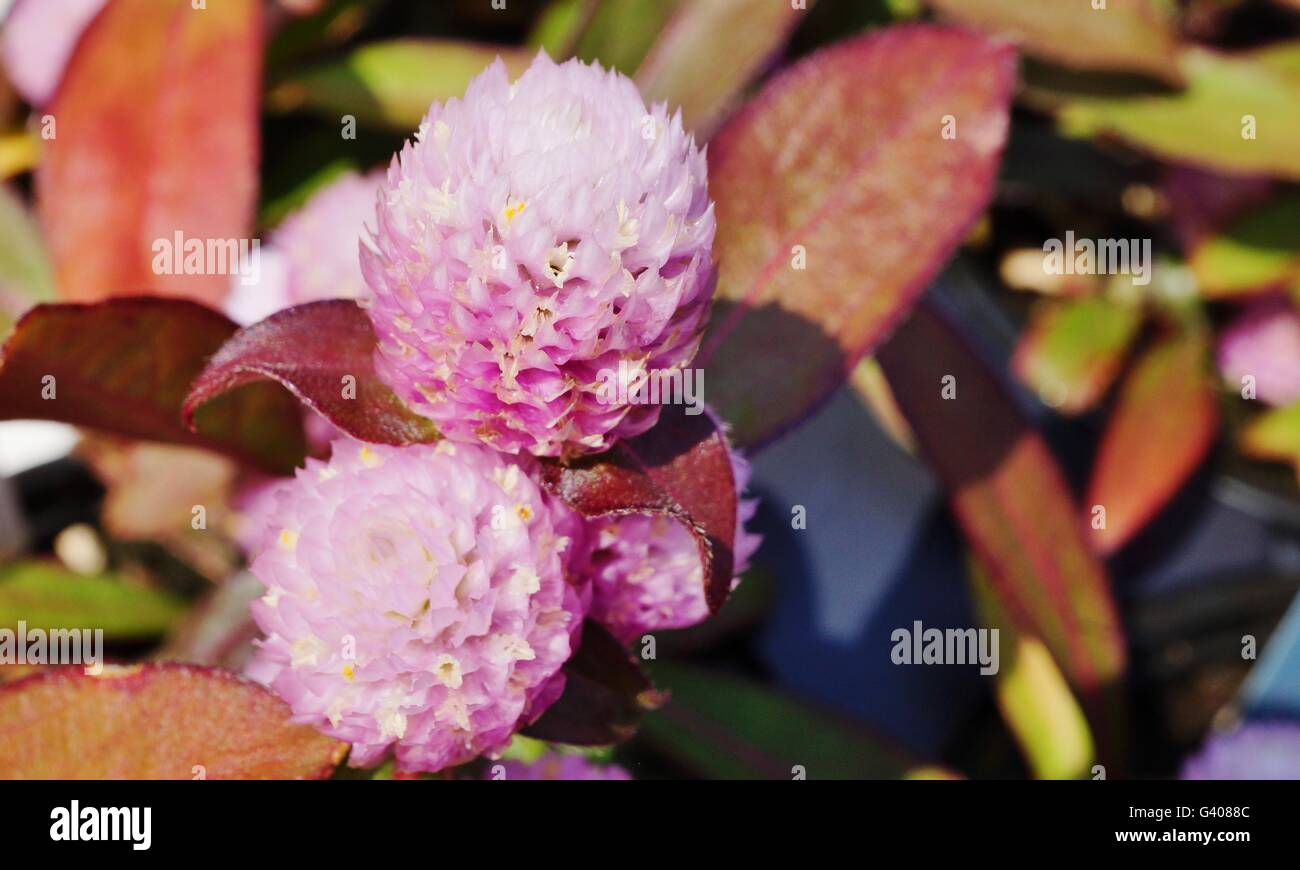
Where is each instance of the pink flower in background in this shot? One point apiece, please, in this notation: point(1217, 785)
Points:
point(533, 235)
point(1262, 750)
point(1264, 342)
point(417, 598)
point(646, 571)
point(37, 39)
point(554, 765)
point(313, 253)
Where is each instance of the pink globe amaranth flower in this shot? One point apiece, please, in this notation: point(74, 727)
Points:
point(1256, 750)
point(1264, 343)
point(533, 236)
point(37, 39)
point(646, 572)
point(555, 765)
point(313, 254)
point(417, 599)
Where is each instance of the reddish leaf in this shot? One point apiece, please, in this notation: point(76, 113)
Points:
point(1013, 505)
point(156, 134)
point(605, 695)
point(682, 468)
point(313, 350)
point(1162, 426)
point(843, 154)
point(154, 721)
point(123, 365)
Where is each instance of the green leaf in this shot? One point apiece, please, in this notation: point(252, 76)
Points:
point(1129, 35)
point(1162, 427)
point(1205, 123)
point(1071, 352)
point(1032, 693)
point(392, 84)
point(1258, 252)
point(686, 69)
point(1274, 435)
point(277, 209)
point(46, 596)
point(560, 26)
point(723, 727)
point(622, 31)
point(333, 24)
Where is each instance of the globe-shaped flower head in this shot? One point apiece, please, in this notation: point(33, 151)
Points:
point(417, 598)
point(646, 573)
point(534, 236)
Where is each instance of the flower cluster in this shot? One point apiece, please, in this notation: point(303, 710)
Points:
point(416, 596)
point(646, 570)
point(422, 600)
point(533, 236)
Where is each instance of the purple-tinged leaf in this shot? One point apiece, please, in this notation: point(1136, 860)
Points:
point(605, 695)
point(1202, 203)
point(1014, 507)
point(681, 468)
point(323, 353)
point(124, 365)
point(841, 190)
